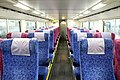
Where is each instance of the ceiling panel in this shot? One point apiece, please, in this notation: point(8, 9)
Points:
point(54, 8)
point(62, 7)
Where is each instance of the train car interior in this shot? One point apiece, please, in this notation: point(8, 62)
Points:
point(59, 39)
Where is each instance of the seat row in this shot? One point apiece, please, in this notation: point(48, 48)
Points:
point(26, 56)
point(76, 37)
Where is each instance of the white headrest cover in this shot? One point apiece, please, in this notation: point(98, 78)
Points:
point(20, 46)
point(39, 36)
point(106, 35)
point(81, 35)
point(31, 31)
point(16, 35)
point(47, 31)
point(76, 31)
point(95, 45)
point(92, 31)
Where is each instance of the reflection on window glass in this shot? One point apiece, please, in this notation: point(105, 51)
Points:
point(13, 25)
point(91, 25)
point(117, 28)
point(112, 26)
point(3, 28)
point(109, 25)
point(30, 25)
point(86, 25)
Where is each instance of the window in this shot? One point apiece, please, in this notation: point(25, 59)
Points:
point(13, 25)
point(30, 25)
point(91, 25)
point(109, 25)
point(3, 28)
point(86, 25)
point(117, 28)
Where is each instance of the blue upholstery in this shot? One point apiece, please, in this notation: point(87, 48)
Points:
point(44, 50)
point(96, 66)
point(71, 38)
point(43, 71)
point(51, 41)
point(20, 67)
point(76, 51)
point(77, 72)
point(81, 30)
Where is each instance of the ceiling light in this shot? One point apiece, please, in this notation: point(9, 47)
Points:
point(36, 12)
point(86, 12)
point(22, 6)
point(100, 5)
point(63, 17)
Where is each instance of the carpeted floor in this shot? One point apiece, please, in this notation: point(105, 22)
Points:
point(62, 67)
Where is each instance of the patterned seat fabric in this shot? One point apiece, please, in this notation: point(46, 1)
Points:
point(1, 63)
point(77, 72)
point(96, 66)
point(43, 70)
point(17, 35)
point(20, 67)
point(117, 59)
point(51, 41)
point(71, 39)
point(43, 48)
point(76, 51)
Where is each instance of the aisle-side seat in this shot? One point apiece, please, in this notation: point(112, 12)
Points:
point(76, 51)
point(44, 60)
point(43, 39)
point(20, 59)
point(76, 39)
point(51, 41)
point(96, 59)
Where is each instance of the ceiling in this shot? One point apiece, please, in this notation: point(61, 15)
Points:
point(62, 7)
point(54, 8)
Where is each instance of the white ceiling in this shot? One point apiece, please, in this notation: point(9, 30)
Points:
point(54, 8)
point(61, 7)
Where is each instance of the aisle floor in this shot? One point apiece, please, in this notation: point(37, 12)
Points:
point(62, 67)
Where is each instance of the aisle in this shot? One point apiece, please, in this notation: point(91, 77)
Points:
point(62, 67)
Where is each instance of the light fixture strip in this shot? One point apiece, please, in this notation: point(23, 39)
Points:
point(100, 5)
point(22, 6)
point(36, 12)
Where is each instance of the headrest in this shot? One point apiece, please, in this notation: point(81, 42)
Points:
point(76, 31)
point(97, 35)
point(96, 46)
point(20, 46)
point(16, 35)
point(92, 31)
point(31, 31)
point(46, 31)
point(39, 36)
point(106, 35)
point(81, 35)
